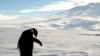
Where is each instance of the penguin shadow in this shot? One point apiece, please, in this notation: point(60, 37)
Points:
point(26, 42)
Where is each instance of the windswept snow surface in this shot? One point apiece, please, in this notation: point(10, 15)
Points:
point(55, 42)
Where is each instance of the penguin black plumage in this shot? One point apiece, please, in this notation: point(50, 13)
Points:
point(25, 43)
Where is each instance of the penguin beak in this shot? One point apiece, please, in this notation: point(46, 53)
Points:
point(34, 33)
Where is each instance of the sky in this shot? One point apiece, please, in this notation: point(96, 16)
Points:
point(21, 9)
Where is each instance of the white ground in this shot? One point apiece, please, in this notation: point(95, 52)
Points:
point(55, 42)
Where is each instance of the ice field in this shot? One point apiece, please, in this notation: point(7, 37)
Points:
point(55, 42)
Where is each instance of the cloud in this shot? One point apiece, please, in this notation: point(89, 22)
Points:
point(60, 5)
point(84, 2)
point(6, 17)
point(27, 11)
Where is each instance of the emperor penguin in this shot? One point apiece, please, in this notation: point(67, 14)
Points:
point(26, 42)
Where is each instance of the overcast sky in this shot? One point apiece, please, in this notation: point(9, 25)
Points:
point(15, 9)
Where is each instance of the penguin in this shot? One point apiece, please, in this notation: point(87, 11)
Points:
point(26, 42)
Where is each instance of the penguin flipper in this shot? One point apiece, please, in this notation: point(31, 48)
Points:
point(37, 41)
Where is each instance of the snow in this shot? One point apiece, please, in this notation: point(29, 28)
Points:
point(55, 42)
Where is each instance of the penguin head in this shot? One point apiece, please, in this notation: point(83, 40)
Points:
point(34, 32)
